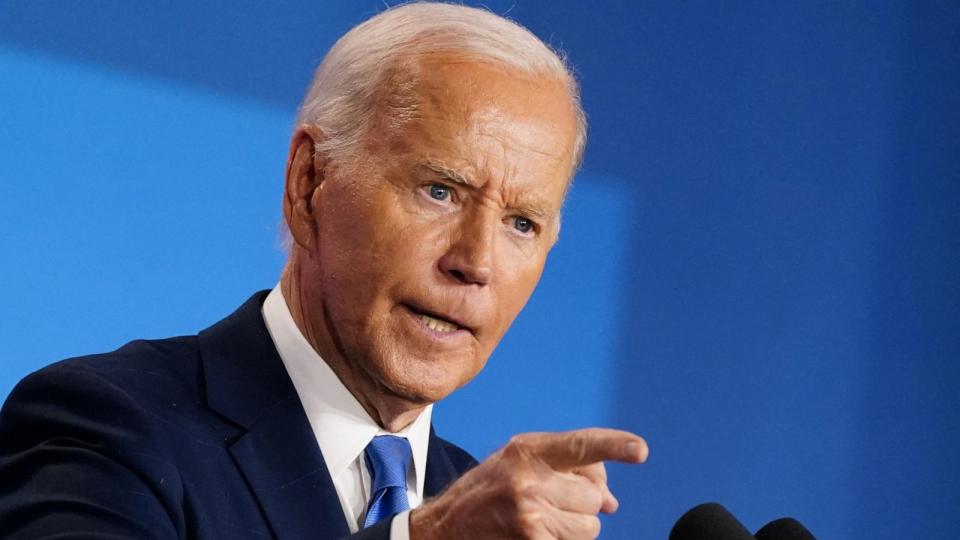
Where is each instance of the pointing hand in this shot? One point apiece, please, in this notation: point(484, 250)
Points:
point(540, 485)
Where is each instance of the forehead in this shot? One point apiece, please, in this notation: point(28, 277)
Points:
point(477, 96)
point(484, 118)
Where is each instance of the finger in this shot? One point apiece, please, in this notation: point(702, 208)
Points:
point(594, 471)
point(597, 473)
point(571, 449)
point(573, 526)
point(571, 493)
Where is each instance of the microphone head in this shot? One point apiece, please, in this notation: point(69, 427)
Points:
point(709, 521)
point(784, 529)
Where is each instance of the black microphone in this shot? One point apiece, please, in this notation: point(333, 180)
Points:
point(784, 529)
point(709, 521)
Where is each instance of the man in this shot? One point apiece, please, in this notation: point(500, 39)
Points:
point(423, 193)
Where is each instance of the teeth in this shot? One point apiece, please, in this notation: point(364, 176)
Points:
point(437, 325)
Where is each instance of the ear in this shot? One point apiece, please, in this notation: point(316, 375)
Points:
point(305, 174)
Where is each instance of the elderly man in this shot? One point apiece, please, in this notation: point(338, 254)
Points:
point(423, 193)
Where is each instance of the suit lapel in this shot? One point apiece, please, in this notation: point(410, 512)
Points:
point(440, 470)
point(277, 454)
point(280, 459)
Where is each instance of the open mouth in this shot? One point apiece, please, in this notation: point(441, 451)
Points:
point(434, 321)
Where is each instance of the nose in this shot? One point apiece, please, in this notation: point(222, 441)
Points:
point(469, 260)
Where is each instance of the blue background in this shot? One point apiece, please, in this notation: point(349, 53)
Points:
point(759, 269)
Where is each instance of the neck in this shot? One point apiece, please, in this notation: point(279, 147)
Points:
point(388, 409)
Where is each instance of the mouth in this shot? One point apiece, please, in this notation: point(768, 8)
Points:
point(438, 322)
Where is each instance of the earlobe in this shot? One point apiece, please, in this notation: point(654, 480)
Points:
point(305, 174)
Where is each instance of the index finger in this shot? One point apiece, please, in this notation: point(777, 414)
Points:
point(571, 449)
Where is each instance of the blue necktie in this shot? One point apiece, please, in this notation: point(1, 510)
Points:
point(388, 459)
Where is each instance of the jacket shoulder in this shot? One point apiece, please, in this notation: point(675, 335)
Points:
point(170, 361)
point(99, 431)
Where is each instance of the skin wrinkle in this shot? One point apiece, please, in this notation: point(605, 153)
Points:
point(491, 125)
point(371, 243)
point(527, 207)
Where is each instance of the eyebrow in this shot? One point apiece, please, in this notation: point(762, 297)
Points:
point(534, 210)
point(529, 208)
point(448, 173)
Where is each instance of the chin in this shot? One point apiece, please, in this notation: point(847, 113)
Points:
point(424, 381)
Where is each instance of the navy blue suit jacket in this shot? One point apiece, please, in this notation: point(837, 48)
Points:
point(190, 437)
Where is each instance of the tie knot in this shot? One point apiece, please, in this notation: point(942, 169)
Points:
point(388, 458)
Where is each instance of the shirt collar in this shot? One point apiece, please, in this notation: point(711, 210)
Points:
point(340, 424)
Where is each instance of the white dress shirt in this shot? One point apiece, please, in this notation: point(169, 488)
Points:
point(340, 424)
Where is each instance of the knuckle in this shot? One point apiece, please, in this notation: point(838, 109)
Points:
point(580, 448)
point(528, 524)
point(518, 445)
point(522, 488)
point(517, 437)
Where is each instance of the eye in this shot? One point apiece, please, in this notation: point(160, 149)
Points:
point(523, 224)
point(439, 192)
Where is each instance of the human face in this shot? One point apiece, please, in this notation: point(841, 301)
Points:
point(431, 240)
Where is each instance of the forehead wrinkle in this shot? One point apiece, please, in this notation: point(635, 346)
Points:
point(513, 197)
point(511, 184)
point(491, 142)
point(513, 151)
point(497, 178)
point(519, 132)
point(507, 191)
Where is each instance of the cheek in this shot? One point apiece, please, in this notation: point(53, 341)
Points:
point(372, 248)
point(350, 257)
point(357, 230)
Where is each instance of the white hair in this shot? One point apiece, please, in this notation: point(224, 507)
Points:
point(364, 63)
